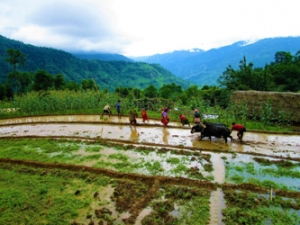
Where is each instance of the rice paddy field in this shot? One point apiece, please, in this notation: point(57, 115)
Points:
point(90, 170)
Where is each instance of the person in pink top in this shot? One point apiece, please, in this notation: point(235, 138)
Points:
point(165, 118)
point(239, 128)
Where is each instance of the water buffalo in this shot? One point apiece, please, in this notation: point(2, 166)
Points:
point(212, 129)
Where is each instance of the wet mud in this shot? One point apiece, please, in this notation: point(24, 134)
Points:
point(151, 133)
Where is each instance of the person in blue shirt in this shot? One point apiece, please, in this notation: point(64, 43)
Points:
point(118, 108)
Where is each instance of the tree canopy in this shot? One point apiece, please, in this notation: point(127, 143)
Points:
point(281, 75)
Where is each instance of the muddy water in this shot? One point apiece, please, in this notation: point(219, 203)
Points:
point(78, 118)
point(217, 201)
point(269, 144)
point(217, 204)
point(219, 168)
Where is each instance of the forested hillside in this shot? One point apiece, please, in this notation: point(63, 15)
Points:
point(107, 74)
point(102, 56)
point(204, 67)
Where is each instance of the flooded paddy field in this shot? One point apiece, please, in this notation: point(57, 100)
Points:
point(87, 170)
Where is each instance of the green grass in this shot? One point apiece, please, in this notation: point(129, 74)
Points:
point(278, 174)
point(173, 160)
point(93, 148)
point(251, 208)
point(49, 199)
point(118, 156)
point(180, 169)
point(154, 168)
point(64, 151)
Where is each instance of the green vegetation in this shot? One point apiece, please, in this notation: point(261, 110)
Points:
point(193, 208)
point(280, 75)
point(173, 160)
point(265, 173)
point(49, 199)
point(252, 208)
point(98, 155)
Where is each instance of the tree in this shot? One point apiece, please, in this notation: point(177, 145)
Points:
point(59, 82)
point(2, 92)
point(15, 58)
point(87, 84)
point(283, 57)
point(137, 93)
point(24, 81)
point(123, 91)
point(286, 71)
point(9, 92)
point(42, 81)
point(246, 78)
point(170, 91)
point(286, 76)
point(73, 86)
point(151, 91)
point(192, 91)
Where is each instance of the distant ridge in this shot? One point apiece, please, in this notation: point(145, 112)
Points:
point(102, 56)
point(204, 67)
point(108, 74)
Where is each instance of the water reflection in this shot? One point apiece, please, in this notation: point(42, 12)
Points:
point(269, 144)
point(219, 168)
point(101, 131)
point(217, 204)
point(165, 135)
point(134, 135)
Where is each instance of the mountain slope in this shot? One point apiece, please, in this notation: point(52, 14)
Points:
point(102, 56)
point(204, 67)
point(107, 74)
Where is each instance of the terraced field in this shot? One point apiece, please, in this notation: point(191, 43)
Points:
point(87, 170)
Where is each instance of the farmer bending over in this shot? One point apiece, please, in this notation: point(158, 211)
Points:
point(240, 129)
point(106, 110)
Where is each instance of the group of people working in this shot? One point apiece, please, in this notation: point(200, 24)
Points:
point(132, 113)
point(165, 118)
point(184, 121)
point(107, 109)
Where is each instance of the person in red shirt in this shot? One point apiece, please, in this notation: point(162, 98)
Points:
point(184, 120)
point(145, 115)
point(239, 128)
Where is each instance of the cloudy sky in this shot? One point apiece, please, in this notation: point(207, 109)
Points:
point(146, 27)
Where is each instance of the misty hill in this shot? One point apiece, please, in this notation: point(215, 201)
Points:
point(204, 67)
point(107, 74)
point(102, 56)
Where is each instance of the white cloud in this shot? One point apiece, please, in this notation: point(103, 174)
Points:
point(145, 27)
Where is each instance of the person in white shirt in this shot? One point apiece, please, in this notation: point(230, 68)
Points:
point(106, 110)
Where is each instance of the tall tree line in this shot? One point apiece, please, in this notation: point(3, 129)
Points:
point(282, 75)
